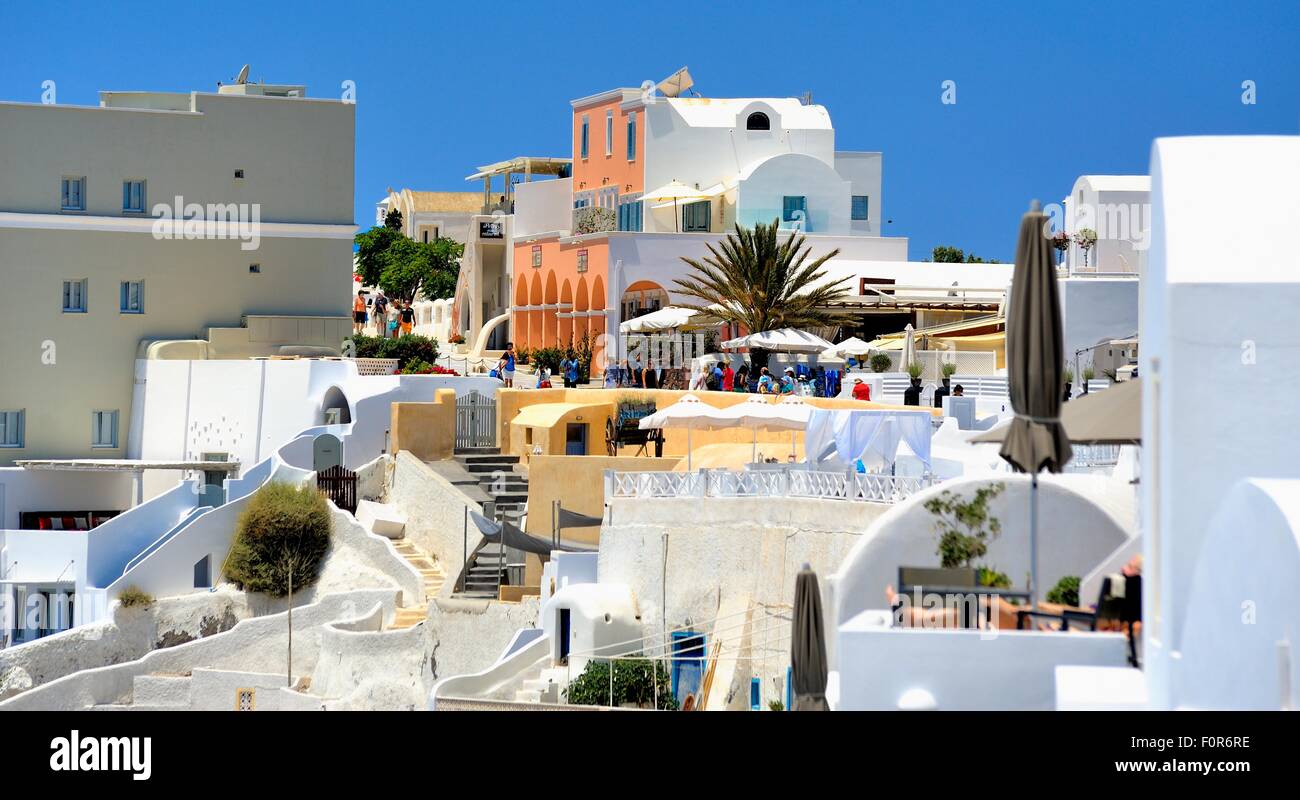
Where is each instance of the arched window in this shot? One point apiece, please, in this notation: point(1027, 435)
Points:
point(758, 121)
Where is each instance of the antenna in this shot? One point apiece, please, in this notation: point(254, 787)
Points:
point(807, 98)
point(243, 75)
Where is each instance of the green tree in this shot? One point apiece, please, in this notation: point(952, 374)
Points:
point(393, 220)
point(280, 540)
point(762, 283)
point(955, 255)
point(372, 252)
point(421, 268)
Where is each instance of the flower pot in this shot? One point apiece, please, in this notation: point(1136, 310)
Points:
point(1066, 398)
point(916, 383)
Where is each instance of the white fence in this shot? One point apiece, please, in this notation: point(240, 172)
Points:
point(969, 362)
point(376, 366)
point(852, 486)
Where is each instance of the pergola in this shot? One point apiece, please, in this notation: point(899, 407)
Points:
point(134, 466)
point(528, 166)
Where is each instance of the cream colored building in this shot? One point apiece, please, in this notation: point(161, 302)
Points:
point(429, 215)
point(90, 277)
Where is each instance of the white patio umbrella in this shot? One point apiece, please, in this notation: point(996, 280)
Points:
point(675, 191)
point(852, 346)
point(689, 413)
point(909, 346)
point(758, 412)
point(781, 340)
point(666, 318)
point(796, 410)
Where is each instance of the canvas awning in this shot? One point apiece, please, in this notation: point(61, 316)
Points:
point(1111, 416)
point(547, 415)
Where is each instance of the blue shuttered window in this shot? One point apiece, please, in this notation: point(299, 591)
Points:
point(586, 135)
point(696, 216)
point(861, 207)
point(629, 216)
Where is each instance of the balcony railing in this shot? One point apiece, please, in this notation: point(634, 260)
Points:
point(849, 486)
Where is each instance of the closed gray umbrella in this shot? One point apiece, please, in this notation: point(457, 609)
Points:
point(1036, 439)
point(808, 645)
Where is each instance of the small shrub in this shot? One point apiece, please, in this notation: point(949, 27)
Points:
point(1068, 375)
point(405, 349)
point(632, 684)
point(775, 705)
point(988, 576)
point(133, 596)
point(284, 530)
point(915, 369)
point(881, 362)
point(549, 357)
point(1065, 592)
point(949, 368)
point(1088, 374)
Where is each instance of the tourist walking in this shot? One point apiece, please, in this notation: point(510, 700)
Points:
point(359, 313)
point(408, 318)
point(506, 366)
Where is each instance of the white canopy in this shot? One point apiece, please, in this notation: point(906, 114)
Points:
point(690, 413)
point(666, 318)
point(781, 340)
point(852, 346)
point(869, 434)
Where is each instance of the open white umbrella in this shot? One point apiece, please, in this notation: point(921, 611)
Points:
point(757, 411)
point(781, 340)
point(690, 413)
point(852, 346)
point(675, 191)
point(666, 318)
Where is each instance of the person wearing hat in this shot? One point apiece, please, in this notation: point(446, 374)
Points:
point(765, 383)
point(861, 391)
point(787, 381)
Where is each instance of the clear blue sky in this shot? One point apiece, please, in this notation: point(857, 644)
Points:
point(1045, 92)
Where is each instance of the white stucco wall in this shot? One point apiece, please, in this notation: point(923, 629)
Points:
point(1210, 332)
point(435, 512)
point(763, 186)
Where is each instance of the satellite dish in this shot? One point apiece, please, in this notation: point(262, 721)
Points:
point(243, 75)
point(677, 83)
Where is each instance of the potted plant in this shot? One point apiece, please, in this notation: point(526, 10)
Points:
point(1085, 239)
point(1060, 241)
point(1088, 373)
point(458, 341)
point(914, 371)
point(948, 369)
point(1069, 381)
point(880, 362)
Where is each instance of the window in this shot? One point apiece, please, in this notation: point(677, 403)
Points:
point(609, 132)
point(133, 197)
point(74, 194)
point(861, 207)
point(695, 217)
point(758, 121)
point(103, 429)
point(11, 428)
point(795, 209)
point(74, 297)
point(537, 255)
point(631, 136)
point(582, 261)
point(255, 269)
point(132, 297)
point(629, 216)
point(586, 135)
point(239, 174)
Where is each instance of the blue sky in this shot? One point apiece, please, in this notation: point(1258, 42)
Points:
point(1044, 92)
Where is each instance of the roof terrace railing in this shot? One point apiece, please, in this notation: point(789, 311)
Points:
point(787, 482)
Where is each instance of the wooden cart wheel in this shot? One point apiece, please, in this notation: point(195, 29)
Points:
point(611, 438)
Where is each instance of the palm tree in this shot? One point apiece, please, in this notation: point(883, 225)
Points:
point(757, 281)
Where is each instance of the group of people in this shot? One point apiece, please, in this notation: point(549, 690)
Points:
point(570, 370)
point(720, 377)
point(392, 319)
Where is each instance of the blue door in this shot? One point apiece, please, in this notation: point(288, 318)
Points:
point(575, 439)
point(687, 665)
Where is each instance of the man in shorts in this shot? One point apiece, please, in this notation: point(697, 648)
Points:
point(507, 365)
point(359, 313)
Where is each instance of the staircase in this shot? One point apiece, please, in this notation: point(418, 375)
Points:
point(507, 489)
point(547, 687)
point(432, 576)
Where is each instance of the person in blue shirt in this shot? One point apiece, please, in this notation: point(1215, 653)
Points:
point(506, 367)
point(569, 369)
point(787, 381)
point(765, 383)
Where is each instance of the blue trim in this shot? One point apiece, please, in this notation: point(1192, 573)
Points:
point(755, 694)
